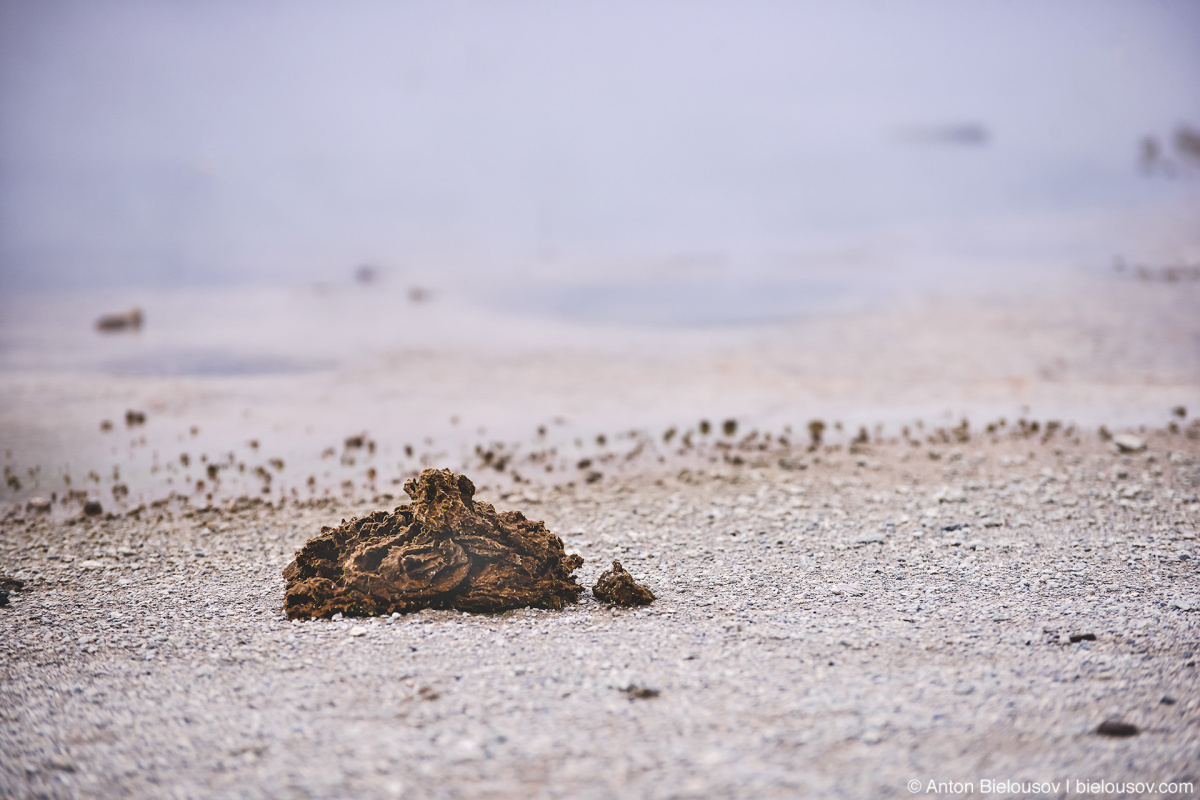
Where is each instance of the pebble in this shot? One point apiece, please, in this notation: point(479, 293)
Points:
point(61, 763)
point(1117, 728)
point(38, 504)
point(1128, 443)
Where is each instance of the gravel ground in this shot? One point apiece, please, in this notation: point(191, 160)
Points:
point(829, 623)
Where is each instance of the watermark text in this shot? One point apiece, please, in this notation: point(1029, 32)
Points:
point(1063, 787)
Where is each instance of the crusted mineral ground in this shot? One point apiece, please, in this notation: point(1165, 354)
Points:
point(617, 587)
point(445, 550)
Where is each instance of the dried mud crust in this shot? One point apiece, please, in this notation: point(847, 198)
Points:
point(445, 550)
point(617, 587)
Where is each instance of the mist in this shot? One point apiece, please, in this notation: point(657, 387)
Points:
point(174, 144)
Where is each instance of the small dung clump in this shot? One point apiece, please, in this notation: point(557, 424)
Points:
point(445, 550)
point(618, 588)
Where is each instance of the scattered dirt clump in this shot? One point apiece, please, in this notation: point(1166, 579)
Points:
point(618, 588)
point(126, 320)
point(445, 550)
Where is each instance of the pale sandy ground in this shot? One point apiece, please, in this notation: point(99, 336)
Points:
point(1091, 350)
point(819, 631)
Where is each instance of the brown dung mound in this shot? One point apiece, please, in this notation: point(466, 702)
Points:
point(445, 550)
point(617, 587)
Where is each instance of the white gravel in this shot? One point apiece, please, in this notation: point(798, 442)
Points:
point(839, 630)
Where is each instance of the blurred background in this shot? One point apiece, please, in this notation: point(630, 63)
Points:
point(547, 146)
point(340, 190)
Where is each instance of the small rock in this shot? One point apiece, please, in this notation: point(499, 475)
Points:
point(93, 508)
point(1186, 603)
point(1082, 637)
point(1117, 728)
point(61, 763)
point(617, 587)
point(1128, 443)
point(852, 589)
point(39, 504)
point(358, 631)
point(948, 495)
point(636, 692)
point(876, 539)
point(1167, 700)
